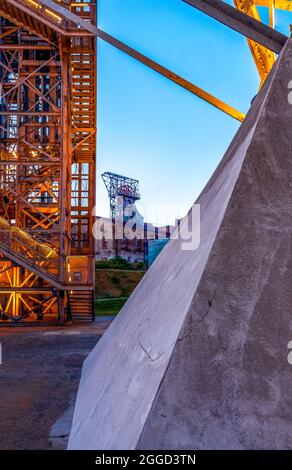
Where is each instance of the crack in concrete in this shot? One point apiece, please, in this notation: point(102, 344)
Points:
point(152, 359)
point(210, 303)
point(147, 320)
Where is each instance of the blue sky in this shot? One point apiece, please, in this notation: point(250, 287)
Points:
point(150, 128)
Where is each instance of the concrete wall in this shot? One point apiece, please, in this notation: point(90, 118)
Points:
point(163, 374)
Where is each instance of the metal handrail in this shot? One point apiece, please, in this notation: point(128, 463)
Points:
point(37, 254)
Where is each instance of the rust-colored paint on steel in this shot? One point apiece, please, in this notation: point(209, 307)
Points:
point(47, 165)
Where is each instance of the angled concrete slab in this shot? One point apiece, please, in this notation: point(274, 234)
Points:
point(197, 358)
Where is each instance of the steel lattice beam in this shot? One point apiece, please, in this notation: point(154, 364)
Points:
point(47, 162)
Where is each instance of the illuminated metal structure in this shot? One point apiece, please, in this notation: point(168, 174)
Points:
point(47, 162)
point(48, 144)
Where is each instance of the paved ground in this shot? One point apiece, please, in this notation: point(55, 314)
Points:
point(39, 378)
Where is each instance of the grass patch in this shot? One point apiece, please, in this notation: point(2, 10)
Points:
point(109, 307)
point(115, 281)
point(112, 284)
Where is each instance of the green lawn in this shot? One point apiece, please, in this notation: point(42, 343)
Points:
point(109, 307)
point(115, 281)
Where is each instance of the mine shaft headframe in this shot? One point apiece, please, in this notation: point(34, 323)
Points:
point(118, 185)
point(264, 41)
point(115, 184)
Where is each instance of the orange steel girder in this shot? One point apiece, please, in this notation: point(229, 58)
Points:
point(264, 58)
point(47, 163)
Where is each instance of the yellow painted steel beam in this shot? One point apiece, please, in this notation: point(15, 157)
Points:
point(278, 4)
point(264, 58)
point(195, 90)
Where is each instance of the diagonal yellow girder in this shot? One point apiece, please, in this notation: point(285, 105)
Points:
point(264, 58)
point(38, 8)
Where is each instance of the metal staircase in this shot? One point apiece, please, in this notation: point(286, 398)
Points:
point(81, 306)
point(22, 249)
point(42, 260)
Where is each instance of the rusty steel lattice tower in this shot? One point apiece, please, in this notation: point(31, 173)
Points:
point(47, 160)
